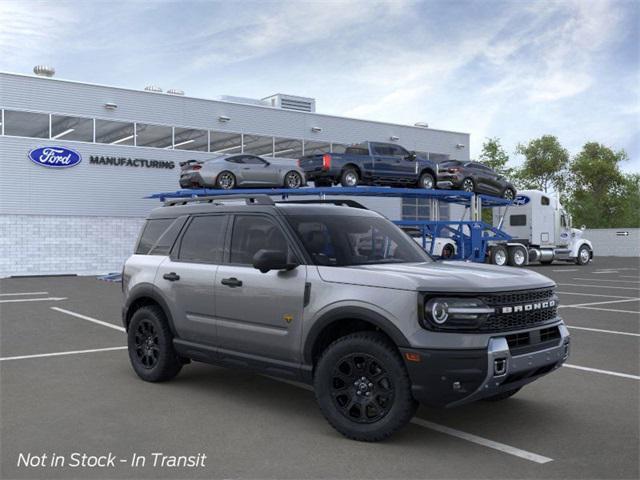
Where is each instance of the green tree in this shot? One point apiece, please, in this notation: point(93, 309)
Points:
point(545, 164)
point(600, 195)
point(494, 156)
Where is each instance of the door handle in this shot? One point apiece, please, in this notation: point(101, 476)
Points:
point(231, 282)
point(172, 277)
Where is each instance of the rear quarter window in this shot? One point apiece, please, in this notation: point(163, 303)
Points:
point(159, 235)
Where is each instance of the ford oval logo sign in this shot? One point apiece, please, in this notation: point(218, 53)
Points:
point(55, 157)
point(521, 200)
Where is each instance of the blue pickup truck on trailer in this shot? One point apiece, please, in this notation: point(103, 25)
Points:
point(371, 163)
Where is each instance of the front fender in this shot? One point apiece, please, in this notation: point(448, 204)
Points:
point(351, 312)
point(579, 243)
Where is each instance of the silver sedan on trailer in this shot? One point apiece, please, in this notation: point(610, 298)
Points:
point(241, 170)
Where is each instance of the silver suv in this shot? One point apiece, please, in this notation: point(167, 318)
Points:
point(337, 297)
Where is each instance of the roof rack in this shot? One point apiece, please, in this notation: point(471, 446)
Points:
point(255, 199)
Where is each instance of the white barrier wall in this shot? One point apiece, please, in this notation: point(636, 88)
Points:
point(614, 242)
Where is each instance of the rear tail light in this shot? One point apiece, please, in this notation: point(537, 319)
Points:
point(326, 161)
point(454, 170)
point(299, 163)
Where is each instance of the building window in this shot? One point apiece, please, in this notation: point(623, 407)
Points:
point(416, 209)
point(258, 145)
point(313, 148)
point(191, 139)
point(287, 148)
point(225, 143)
point(71, 128)
point(26, 124)
point(114, 133)
point(156, 136)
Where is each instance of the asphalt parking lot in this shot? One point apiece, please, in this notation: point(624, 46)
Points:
point(581, 421)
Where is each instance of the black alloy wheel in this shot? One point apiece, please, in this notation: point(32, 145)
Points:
point(468, 185)
point(361, 388)
point(448, 251)
point(146, 344)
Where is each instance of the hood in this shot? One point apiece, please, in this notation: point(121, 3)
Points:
point(451, 276)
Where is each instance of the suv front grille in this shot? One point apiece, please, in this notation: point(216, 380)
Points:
point(510, 321)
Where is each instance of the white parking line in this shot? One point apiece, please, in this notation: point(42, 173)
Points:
point(604, 331)
point(593, 295)
point(605, 272)
point(516, 452)
point(628, 276)
point(22, 293)
point(47, 299)
point(57, 354)
point(485, 442)
point(605, 280)
point(599, 286)
point(606, 372)
point(88, 319)
point(610, 310)
point(567, 270)
point(598, 303)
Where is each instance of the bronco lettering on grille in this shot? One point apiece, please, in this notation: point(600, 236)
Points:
point(527, 307)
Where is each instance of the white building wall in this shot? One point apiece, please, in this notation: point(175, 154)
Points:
point(613, 241)
point(65, 244)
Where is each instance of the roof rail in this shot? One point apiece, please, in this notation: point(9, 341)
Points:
point(338, 202)
point(259, 199)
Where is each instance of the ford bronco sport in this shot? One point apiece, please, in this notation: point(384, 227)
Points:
point(337, 297)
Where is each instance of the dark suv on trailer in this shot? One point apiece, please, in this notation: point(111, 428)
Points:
point(338, 297)
point(474, 177)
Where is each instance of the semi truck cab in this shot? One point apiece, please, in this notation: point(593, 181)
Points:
point(540, 223)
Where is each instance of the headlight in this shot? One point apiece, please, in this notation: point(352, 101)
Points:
point(455, 313)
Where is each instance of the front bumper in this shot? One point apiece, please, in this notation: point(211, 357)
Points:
point(449, 181)
point(452, 377)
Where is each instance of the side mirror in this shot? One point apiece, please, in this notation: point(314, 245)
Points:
point(411, 156)
point(265, 260)
point(583, 227)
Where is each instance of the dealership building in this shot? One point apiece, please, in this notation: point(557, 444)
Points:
point(84, 219)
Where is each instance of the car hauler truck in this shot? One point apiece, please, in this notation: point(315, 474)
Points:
point(540, 231)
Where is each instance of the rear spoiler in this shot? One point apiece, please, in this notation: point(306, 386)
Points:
point(188, 162)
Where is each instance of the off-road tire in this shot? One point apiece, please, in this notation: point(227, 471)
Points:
point(167, 363)
point(346, 175)
point(502, 396)
point(378, 354)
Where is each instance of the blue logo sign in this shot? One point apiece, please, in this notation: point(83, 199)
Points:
point(521, 200)
point(55, 157)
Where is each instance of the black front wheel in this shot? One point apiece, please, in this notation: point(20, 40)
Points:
point(226, 181)
point(150, 345)
point(509, 194)
point(584, 255)
point(362, 387)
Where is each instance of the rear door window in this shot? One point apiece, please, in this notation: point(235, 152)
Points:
point(203, 241)
point(252, 233)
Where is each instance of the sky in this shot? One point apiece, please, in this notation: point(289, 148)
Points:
point(515, 70)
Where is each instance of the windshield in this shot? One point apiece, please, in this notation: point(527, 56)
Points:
point(343, 241)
